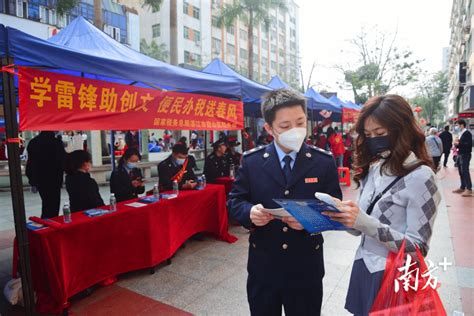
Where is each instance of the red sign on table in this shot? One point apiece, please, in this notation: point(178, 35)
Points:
point(52, 101)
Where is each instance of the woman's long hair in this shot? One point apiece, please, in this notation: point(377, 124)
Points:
point(395, 114)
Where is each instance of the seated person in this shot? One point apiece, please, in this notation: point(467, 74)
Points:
point(177, 167)
point(126, 182)
point(216, 164)
point(233, 156)
point(82, 189)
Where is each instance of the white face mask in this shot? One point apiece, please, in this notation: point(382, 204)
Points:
point(293, 138)
point(180, 161)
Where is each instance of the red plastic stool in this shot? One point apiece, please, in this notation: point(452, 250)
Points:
point(344, 175)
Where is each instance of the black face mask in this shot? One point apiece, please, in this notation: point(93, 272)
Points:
point(378, 144)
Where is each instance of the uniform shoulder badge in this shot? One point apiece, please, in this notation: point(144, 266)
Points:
point(319, 150)
point(254, 150)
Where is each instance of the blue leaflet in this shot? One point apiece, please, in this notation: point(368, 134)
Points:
point(95, 212)
point(308, 213)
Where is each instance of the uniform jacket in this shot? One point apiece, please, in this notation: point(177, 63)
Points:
point(234, 159)
point(121, 184)
point(278, 254)
point(83, 192)
point(215, 167)
point(167, 169)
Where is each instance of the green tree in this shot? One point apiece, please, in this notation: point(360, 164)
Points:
point(154, 50)
point(431, 97)
point(253, 12)
point(64, 6)
point(381, 65)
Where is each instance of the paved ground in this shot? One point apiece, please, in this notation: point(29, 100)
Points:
point(208, 277)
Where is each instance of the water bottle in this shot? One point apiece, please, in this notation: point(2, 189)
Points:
point(67, 213)
point(113, 203)
point(156, 192)
point(203, 181)
point(175, 188)
point(199, 183)
point(232, 171)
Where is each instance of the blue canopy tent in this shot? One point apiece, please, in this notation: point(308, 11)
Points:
point(251, 91)
point(81, 48)
point(277, 83)
point(317, 102)
point(93, 55)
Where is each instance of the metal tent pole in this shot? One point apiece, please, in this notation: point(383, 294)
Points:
point(16, 185)
point(112, 149)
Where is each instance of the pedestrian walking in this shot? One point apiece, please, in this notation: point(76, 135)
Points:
point(447, 139)
point(435, 146)
point(463, 160)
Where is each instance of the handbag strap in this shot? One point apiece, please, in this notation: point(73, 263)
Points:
point(379, 196)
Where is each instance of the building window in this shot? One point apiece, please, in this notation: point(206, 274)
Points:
point(244, 35)
point(197, 36)
point(273, 48)
point(112, 31)
point(185, 7)
point(293, 32)
point(282, 39)
point(191, 58)
point(21, 8)
point(244, 53)
point(230, 30)
point(293, 45)
point(281, 24)
point(215, 21)
point(216, 45)
point(48, 16)
point(156, 30)
point(282, 53)
point(186, 34)
point(196, 13)
point(274, 65)
point(293, 20)
point(230, 49)
point(265, 45)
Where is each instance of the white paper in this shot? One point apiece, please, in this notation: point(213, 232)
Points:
point(277, 212)
point(136, 204)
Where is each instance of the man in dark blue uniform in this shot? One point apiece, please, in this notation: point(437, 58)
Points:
point(217, 164)
point(285, 264)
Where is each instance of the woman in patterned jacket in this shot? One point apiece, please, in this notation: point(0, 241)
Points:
point(390, 153)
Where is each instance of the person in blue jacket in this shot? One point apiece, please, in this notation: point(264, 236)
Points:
point(285, 264)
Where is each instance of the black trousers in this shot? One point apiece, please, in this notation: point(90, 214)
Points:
point(464, 173)
point(446, 156)
point(267, 300)
point(51, 200)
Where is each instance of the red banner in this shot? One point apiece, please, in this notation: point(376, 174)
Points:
point(52, 101)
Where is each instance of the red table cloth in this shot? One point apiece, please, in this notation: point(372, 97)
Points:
point(67, 260)
point(227, 182)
